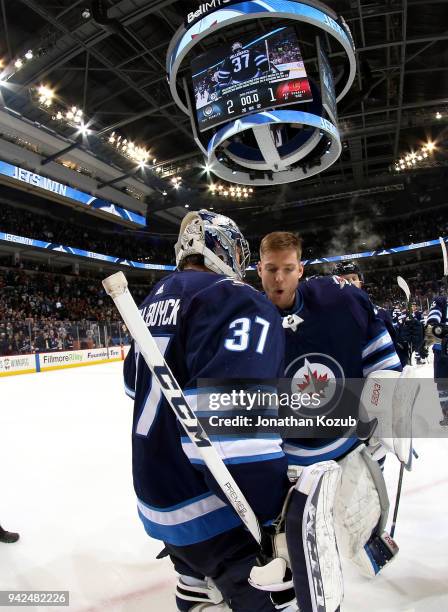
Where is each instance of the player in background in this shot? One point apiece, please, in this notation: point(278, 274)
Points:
point(333, 334)
point(352, 273)
point(8, 537)
point(403, 339)
point(418, 341)
point(405, 330)
point(242, 65)
point(437, 322)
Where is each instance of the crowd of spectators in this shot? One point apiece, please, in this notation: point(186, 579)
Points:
point(414, 228)
point(42, 312)
point(123, 243)
point(425, 280)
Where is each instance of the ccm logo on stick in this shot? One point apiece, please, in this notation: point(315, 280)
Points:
point(183, 410)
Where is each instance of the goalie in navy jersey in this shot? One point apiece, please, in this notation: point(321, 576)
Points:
point(333, 335)
point(198, 318)
point(242, 65)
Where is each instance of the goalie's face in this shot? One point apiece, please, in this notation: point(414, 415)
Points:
point(280, 272)
point(227, 243)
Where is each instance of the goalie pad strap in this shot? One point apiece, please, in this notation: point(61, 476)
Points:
point(200, 590)
point(378, 480)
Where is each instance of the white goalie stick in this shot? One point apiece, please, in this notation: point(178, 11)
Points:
point(405, 287)
point(116, 286)
point(445, 260)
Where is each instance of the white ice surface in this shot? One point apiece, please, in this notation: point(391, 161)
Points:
point(65, 477)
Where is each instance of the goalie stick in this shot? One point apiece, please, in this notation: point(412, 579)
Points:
point(445, 261)
point(405, 287)
point(116, 286)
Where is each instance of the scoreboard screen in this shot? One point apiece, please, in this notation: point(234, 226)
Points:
point(248, 75)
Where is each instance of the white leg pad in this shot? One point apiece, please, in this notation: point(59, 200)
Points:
point(310, 534)
point(357, 508)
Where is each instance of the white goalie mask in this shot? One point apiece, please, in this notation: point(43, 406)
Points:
point(218, 239)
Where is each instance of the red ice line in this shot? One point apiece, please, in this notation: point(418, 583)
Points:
point(107, 603)
point(159, 586)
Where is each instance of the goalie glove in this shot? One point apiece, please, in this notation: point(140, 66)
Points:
point(276, 577)
point(387, 401)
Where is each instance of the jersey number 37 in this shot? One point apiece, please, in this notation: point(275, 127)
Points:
point(241, 330)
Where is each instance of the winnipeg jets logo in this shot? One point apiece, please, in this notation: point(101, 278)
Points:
point(208, 110)
point(317, 373)
point(313, 380)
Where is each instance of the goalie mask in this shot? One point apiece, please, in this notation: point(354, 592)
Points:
point(218, 239)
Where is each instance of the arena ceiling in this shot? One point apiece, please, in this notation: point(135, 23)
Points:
point(107, 57)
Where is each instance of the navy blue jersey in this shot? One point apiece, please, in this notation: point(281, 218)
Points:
point(398, 317)
point(207, 326)
point(417, 314)
point(241, 66)
point(387, 319)
point(438, 313)
point(332, 332)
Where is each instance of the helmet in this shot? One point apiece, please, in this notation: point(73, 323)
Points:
point(236, 47)
point(217, 238)
point(347, 267)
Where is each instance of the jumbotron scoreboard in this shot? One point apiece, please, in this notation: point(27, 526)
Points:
point(263, 100)
point(247, 75)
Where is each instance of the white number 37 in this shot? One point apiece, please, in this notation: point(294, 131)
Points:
point(241, 330)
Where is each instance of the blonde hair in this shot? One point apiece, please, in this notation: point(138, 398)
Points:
point(281, 241)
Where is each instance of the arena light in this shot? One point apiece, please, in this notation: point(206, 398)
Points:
point(18, 63)
point(84, 130)
point(438, 115)
point(72, 116)
point(415, 159)
point(233, 191)
point(176, 181)
point(129, 149)
point(45, 95)
point(29, 54)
